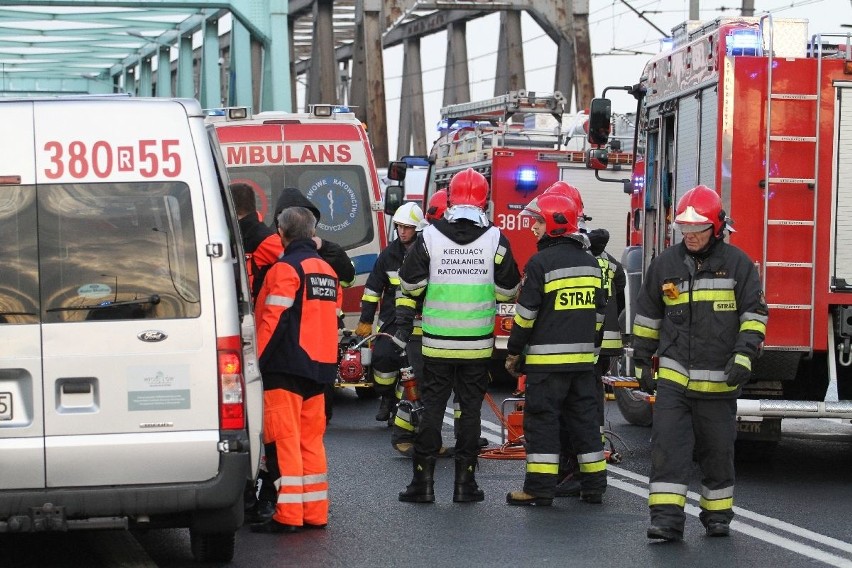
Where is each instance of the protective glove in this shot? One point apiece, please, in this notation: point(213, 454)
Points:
point(647, 379)
point(738, 370)
point(400, 344)
point(512, 364)
point(363, 329)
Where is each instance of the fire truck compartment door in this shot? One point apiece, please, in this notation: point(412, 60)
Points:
point(841, 258)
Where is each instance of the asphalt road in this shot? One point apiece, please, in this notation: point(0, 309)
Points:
point(792, 510)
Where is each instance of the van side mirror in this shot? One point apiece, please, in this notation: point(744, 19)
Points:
point(394, 196)
point(396, 171)
point(600, 119)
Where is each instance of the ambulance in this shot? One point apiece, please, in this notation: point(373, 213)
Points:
point(324, 153)
point(129, 390)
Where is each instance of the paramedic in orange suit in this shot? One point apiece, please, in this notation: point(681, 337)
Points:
point(297, 342)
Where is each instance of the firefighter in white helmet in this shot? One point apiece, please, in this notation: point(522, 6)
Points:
point(380, 292)
point(701, 311)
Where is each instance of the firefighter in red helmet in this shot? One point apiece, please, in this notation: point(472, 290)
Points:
point(701, 311)
point(436, 206)
point(558, 320)
point(460, 266)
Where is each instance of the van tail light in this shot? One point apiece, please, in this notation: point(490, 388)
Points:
point(232, 409)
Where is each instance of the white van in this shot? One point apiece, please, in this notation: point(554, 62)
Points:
point(129, 389)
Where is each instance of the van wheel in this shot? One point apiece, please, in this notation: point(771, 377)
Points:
point(367, 393)
point(212, 547)
point(635, 409)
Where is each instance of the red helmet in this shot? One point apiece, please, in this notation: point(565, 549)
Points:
point(568, 190)
point(468, 188)
point(437, 205)
point(559, 214)
point(699, 209)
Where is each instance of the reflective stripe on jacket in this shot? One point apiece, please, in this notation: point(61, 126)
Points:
point(560, 310)
point(297, 316)
point(696, 317)
point(460, 270)
point(382, 284)
point(614, 281)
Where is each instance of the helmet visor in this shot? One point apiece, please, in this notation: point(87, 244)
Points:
point(693, 228)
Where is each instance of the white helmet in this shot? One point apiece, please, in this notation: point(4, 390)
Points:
point(411, 215)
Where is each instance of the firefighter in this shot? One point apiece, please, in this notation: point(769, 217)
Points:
point(262, 247)
point(297, 345)
point(329, 251)
point(460, 265)
point(437, 206)
point(557, 323)
point(380, 291)
point(612, 348)
point(701, 311)
point(409, 312)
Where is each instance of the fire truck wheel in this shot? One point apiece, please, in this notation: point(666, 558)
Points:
point(754, 451)
point(366, 393)
point(635, 409)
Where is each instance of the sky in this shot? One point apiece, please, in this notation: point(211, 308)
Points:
point(615, 30)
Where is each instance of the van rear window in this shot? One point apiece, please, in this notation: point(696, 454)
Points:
point(107, 251)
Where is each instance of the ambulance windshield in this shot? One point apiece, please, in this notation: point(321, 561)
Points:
point(339, 192)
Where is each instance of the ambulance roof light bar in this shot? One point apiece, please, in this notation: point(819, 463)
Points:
point(230, 113)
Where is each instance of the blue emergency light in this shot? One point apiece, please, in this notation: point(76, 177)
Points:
point(743, 42)
point(526, 179)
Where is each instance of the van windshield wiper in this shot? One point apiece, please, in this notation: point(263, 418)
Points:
point(18, 313)
point(152, 299)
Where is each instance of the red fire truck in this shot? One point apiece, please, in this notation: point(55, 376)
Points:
point(761, 112)
point(517, 142)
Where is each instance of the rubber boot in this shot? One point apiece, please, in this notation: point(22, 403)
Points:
point(421, 489)
point(384, 411)
point(466, 490)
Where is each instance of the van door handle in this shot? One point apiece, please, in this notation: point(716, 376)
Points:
point(77, 387)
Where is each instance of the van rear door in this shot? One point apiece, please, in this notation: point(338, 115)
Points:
point(21, 412)
point(128, 329)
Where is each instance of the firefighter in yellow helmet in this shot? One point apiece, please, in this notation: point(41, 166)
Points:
point(701, 311)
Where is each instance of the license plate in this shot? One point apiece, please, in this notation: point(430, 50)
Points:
point(5, 406)
point(506, 309)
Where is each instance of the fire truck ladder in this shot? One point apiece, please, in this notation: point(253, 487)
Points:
point(812, 145)
point(499, 110)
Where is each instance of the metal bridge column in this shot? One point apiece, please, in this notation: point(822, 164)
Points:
point(240, 80)
point(322, 76)
point(411, 119)
point(456, 76)
point(129, 81)
point(564, 79)
point(509, 75)
point(164, 72)
point(277, 92)
point(211, 85)
point(185, 76)
point(144, 70)
point(583, 78)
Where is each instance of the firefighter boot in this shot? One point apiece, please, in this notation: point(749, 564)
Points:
point(384, 408)
point(421, 489)
point(466, 490)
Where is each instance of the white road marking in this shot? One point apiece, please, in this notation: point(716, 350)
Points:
point(492, 432)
